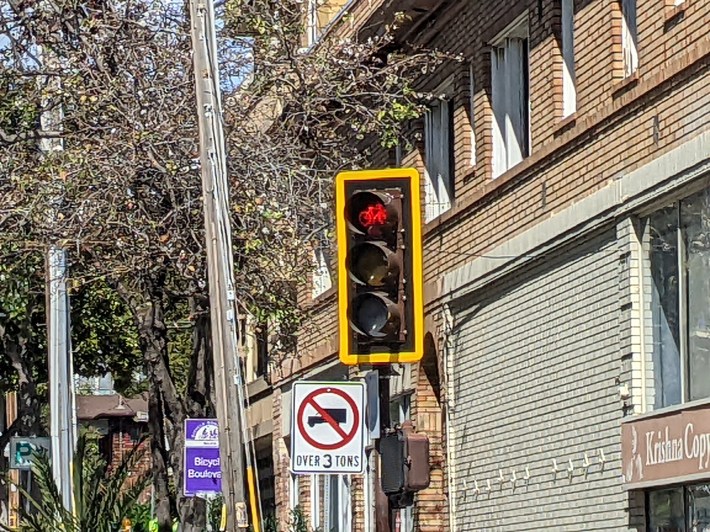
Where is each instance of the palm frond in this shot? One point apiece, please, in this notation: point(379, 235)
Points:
point(103, 496)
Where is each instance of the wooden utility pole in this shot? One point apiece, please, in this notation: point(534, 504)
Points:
point(223, 308)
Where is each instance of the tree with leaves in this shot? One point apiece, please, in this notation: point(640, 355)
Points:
point(125, 193)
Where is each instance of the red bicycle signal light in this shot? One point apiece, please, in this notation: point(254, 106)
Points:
point(374, 214)
point(380, 307)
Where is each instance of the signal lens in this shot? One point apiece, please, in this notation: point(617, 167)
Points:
point(373, 214)
point(374, 265)
point(367, 212)
point(375, 315)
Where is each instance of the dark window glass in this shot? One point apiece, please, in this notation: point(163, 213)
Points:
point(699, 508)
point(695, 225)
point(665, 306)
point(666, 511)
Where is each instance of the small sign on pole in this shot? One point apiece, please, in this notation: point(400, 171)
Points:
point(328, 433)
point(22, 450)
point(203, 473)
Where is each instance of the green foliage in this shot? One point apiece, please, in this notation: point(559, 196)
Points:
point(104, 337)
point(214, 511)
point(270, 523)
point(22, 316)
point(180, 330)
point(103, 495)
point(298, 522)
point(140, 517)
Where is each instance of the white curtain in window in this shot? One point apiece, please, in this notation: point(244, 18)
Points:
point(629, 36)
point(293, 495)
point(437, 140)
point(499, 100)
point(516, 126)
point(322, 280)
point(569, 90)
point(315, 501)
point(510, 104)
point(472, 111)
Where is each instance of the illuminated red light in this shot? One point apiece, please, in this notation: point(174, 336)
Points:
point(373, 215)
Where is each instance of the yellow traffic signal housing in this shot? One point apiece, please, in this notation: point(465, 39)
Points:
point(380, 289)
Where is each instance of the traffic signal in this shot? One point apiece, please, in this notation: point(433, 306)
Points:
point(380, 302)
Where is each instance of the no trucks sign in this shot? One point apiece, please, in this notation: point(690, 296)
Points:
point(328, 433)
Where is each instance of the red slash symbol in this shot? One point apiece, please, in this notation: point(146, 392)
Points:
point(346, 437)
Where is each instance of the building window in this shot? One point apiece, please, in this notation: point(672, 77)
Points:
point(316, 481)
point(438, 137)
point(629, 37)
point(293, 500)
point(679, 509)
point(510, 98)
point(312, 23)
point(569, 89)
point(322, 281)
point(261, 335)
point(678, 245)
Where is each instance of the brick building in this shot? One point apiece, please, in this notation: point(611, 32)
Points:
point(122, 423)
point(567, 272)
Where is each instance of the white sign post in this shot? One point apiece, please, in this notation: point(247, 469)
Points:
point(328, 433)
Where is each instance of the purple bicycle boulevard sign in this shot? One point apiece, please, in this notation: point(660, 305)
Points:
point(203, 474)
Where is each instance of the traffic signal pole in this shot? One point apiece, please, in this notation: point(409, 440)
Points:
point(223, 303)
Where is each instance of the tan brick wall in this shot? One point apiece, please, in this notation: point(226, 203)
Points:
point(613, 131)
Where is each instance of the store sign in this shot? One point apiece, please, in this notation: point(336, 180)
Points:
point(671, 447)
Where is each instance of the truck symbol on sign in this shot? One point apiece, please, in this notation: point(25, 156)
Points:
point(339, 415)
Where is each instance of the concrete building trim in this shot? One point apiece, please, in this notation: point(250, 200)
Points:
point(621, 196)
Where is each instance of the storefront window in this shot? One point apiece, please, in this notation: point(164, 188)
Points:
point(699, 508)
point(679, 509)
point(664, 301)
point(695, 226)
point(679, 257)
point(666, 511)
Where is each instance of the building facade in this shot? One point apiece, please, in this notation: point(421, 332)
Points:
point(566, 164)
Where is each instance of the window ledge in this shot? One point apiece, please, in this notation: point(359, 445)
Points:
point(441, 219)
point(669, 410)
point(674, 14)
point(563, 125)
point(322, 298)
point(257, 387)
point(625, 84)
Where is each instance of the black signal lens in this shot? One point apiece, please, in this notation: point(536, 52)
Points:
point(374, 315)
point(374, 265)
